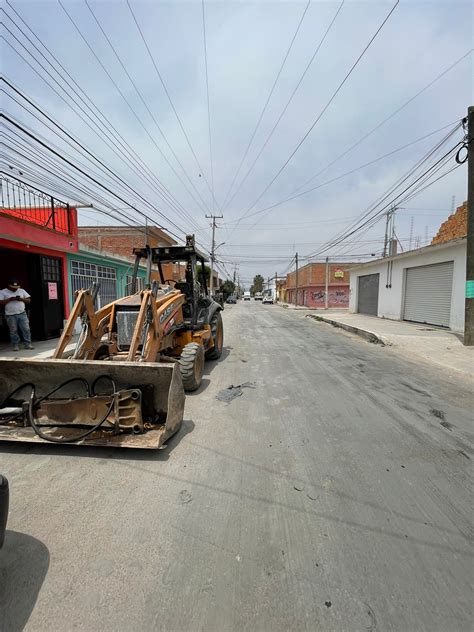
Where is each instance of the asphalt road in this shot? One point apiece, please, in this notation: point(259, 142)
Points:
point(334, 495)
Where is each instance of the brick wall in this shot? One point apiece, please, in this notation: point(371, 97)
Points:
point(315, 274)
point(122, 241)
point(454, 227)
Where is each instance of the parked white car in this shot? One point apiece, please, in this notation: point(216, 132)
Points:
point(267, 299)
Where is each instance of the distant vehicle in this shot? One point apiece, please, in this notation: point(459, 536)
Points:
point(4, 495)
point(258, 296)
point(247, 296)
point(267, 299)
point(231, 299)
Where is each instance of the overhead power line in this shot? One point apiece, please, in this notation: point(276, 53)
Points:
point(285, 108)
point(89, 154)
point(264, 109)
point(322, 112)
point(348, 173)
point(383, 121)
point(208, 103)
point(130, 107)
point(160, 77)
point(119, 146)
point(397, 200)
point(71, 164)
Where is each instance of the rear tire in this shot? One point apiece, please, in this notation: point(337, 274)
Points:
point(191, 364)
point(217, 330)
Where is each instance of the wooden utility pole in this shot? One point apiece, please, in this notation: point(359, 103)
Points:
point(326, 292)
point(296, 279)
point(213, 249)
point(469, 305)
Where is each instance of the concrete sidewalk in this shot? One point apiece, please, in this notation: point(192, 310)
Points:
point(432, 344)
point(42, 349)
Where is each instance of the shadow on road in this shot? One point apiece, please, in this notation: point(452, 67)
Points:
point(24, 562)
point(85, 451)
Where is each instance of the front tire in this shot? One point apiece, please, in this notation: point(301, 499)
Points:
point(217, 330)
point(191, 364)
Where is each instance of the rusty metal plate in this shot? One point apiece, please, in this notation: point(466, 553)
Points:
point(164, 402)
point(150, 440)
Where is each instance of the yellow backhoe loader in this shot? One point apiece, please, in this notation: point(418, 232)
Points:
point(123, 385)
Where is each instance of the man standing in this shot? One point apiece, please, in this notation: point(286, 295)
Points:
point(14, 298)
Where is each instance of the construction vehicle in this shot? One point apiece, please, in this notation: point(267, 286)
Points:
point(123, 384)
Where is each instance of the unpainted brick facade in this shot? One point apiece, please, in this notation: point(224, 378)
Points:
point(312, 285)
point(454, 227)
point(118, 240)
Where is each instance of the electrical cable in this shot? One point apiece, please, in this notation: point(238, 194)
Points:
point(391, 203)
point(71, 164)
point(168, 96)
point(347, 173)
point(208, 103)
point(321, 114)
point(118, 138)
point(31, 135)
point(145, 103)
point(259, 120)
point(402, 179)
point(132, 110)
point(385, 120)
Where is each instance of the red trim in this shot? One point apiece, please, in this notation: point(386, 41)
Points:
point(26, 233)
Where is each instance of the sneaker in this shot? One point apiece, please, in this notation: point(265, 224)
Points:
point(15, 348)
point(29, 346)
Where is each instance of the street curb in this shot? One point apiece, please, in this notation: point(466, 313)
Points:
point(363, 333)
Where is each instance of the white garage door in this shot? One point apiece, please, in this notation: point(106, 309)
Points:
point(428, 294)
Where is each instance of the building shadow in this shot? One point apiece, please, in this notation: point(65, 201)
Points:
point(24, 562)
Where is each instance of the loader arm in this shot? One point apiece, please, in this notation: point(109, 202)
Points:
point(96, 323)
point(153, 324)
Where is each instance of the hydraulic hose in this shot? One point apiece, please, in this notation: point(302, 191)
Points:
point(33, 402)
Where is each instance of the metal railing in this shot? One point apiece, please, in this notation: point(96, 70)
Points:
point(24, 202)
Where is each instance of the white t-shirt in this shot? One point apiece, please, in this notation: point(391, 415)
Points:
point(13, 307)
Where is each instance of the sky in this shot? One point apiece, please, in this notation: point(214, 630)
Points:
point(158, 106)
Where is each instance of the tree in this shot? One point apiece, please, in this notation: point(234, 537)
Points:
point(258, 282)
point(228, 288)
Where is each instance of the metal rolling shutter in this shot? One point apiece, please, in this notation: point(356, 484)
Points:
point(428, 294)
point(368, 294)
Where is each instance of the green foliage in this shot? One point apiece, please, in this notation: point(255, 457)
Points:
point(228, 288)
point(258, 282)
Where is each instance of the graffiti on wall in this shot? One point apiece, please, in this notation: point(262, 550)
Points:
point(337, 297)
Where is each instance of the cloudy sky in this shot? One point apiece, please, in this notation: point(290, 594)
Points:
point(246, 45)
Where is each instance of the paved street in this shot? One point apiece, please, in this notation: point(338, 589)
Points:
point(335, 495)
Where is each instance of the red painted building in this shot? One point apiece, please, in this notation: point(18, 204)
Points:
point(312, 285)
point(36, 232)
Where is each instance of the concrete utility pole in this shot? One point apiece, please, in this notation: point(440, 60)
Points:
point(276, 293)
point(469, 305)
point(389, 228)
point(296, 279)
point(213, 249)
point(326, 293)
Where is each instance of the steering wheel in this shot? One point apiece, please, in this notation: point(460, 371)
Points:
point(171, 281)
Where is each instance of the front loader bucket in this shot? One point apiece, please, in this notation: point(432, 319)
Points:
point(146, 409)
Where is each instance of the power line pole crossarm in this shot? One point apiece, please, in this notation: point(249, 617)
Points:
point(469, 300)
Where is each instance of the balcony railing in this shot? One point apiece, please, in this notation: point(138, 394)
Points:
point(28, 204)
